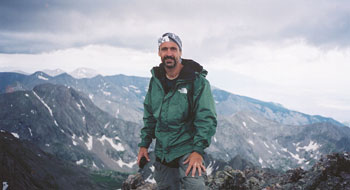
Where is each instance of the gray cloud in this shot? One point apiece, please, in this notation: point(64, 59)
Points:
point(32, 26)
point(327, 24)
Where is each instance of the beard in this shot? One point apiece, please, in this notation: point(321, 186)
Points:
point(169, 62)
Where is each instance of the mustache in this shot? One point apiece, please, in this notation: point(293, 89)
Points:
point(168, 57)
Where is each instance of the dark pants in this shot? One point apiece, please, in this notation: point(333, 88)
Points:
point(172, 178)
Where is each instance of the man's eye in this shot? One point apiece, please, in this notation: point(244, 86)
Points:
point(173, 49)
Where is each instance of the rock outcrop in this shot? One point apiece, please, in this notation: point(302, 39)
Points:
point(330, 172)
point(137, 182)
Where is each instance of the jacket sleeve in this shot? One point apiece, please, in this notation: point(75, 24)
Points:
point(148, 131)
point(205, 120)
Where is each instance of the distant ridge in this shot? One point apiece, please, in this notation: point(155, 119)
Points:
point(54, 72)
point(265, 134)
point(80, 73)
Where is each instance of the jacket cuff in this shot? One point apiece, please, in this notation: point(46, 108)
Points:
point(199, 150)
point(143, 144)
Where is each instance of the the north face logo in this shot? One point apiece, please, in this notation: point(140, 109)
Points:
point(183, 90)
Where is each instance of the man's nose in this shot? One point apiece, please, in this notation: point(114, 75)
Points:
point(168, 52)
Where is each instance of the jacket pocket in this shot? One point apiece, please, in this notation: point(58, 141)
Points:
point(178, 108)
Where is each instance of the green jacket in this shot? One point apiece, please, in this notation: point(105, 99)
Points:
point(184, 119)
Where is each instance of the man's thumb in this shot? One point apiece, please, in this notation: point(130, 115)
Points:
point(186, 161)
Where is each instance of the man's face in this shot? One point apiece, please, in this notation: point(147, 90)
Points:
point(170, 54)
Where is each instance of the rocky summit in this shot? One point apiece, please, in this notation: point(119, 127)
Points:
point(330, 172)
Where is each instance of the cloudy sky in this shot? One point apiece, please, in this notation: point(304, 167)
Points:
point(293, 52)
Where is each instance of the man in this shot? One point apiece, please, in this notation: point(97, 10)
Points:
point(179, 112)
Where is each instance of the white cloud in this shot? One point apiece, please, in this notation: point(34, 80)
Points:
point(299, 75)
point(293, 62)
point(106, 60)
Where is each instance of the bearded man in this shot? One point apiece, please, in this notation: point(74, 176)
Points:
point(179, 112)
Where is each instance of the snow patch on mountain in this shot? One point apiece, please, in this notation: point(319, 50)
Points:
point(132, 86)
point(150, 179)
point(42, 101)
point(79, 106)
point(89, 143)
point(83, 73)
point(136, 90)
point(48, 108)
point(117, 113)
point(42, 77)
point(82, 103)
point(91, 96)
point(118, 147)
point(267, 146)
point(311, 147)
point(296, 144)
point(15, 135)
point(94, 165)
point(253, 120)
point(121, 163)
point(210, 168)
point(274, 147)
point(106, 125)
point(73, 140)
point(79, 162)
point(260, 160)
point(106, 93)
point(30, 131)
point(297, 157)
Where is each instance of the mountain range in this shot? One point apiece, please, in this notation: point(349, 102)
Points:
point(77, 73)
point(119, 92)
point(95, 123)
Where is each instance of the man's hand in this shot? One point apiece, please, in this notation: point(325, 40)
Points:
point(195, 161)
point(143, 152)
